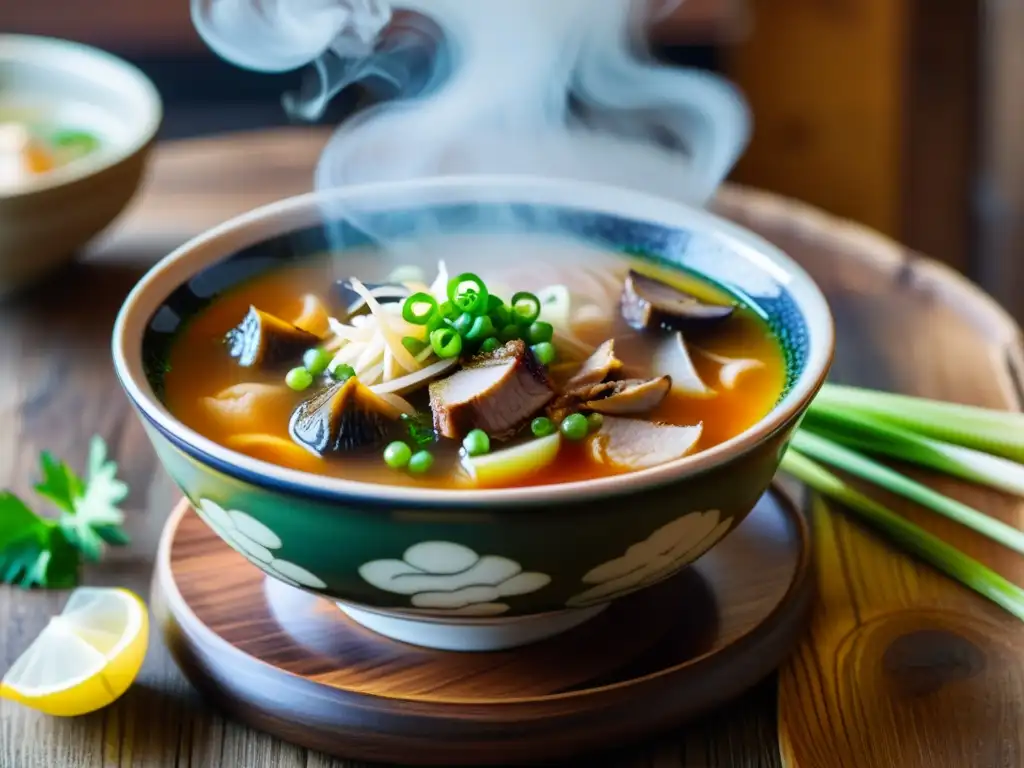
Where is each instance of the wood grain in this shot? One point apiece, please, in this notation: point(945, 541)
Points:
point(897, 319)
point(291, 663)
point(902, 666)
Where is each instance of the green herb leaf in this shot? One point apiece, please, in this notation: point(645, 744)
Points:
point(36, 551)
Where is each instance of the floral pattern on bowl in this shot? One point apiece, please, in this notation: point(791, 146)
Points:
point(256, 541)
point(659, 556)
point(447, 578)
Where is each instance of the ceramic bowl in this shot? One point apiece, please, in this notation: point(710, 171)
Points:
point(473, 569)
point(45, 221)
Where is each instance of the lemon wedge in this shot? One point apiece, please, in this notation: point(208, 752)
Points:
point(85, 658)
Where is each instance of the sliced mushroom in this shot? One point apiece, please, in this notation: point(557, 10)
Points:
point(345, 416)
point(354, 303)
point(648, 304)
point(267, 341)
point(672, 358)
point(631, 444)
point(629, 396)
point(597, 367)
point(624, 396)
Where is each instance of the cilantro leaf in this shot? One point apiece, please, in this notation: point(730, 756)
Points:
point(59, 484)
point(35, 551)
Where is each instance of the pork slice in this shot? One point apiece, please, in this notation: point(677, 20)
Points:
point(497, 393)
point(630, 444)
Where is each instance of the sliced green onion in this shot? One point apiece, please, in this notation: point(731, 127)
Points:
point(501, 316)
point(446, 343)
point(413, 345)
point(574, 426)
point(421, 462)
point(463, 323)
point(342, 372)
point(397, 454)
point(858, 430)
point(525, 307)
point(915, 540)
point(316, 360)
point(542, 426)
point(419, 308)
point(437, 320)
point(985, 429)
point(482, 328)
point(850, 461)
point(494, 303)
point(448, 310)
point(510, 332)
point(475, 300)
point(299, 379)
point(544, 352)
point(476, 443)
point(489, 345)
point(539, 332)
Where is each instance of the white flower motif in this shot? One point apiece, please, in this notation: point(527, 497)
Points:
point(255, 540)
point(663, 553)
point(447, 578)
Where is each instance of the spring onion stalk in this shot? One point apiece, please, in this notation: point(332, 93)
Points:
point(985, 429)
point(822, 449)
point(913, 539)
point(858, 430)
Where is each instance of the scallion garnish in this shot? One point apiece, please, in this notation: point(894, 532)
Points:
point(482, 328)
point(419, 308)
point(915, 540)
point(446, 343)
point(525, 308)
point(474, 299)
point(413, 345)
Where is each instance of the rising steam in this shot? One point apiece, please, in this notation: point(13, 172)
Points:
point(543, 87)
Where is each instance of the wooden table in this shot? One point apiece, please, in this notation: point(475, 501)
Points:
point(901, 667)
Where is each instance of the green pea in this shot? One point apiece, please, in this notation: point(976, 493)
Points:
point(540, 332)
point(421, 462)
point(476, 443)
point(490, 345)
point(397, 454)
point(299, 379)
point(594, 421)
point(575, 427)
point(542, 426)
point(316, 361)
point(544, 352)
point(342, 372)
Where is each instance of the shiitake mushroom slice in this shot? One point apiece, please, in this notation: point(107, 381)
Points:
point(345, 416)
point(650, 304)
point(266, 341)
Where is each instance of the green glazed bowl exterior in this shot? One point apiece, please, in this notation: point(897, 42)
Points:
point(490, 553)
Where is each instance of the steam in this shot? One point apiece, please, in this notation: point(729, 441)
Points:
point(555, 88)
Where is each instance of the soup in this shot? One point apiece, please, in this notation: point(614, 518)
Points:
point(30, 148)
point(568, 364)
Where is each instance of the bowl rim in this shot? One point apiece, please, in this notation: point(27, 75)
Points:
point(278, 218)
point(134, 86)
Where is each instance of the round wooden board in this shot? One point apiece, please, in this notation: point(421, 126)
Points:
point(291, 663)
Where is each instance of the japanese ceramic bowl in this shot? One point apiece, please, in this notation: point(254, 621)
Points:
point(473, 569)
point(46, 220)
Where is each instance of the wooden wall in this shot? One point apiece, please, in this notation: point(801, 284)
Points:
point(869, 109)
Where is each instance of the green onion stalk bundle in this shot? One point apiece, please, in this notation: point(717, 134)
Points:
point(846, 427)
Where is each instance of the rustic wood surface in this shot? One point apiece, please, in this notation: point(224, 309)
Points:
point(287, 662)
point(901, 667)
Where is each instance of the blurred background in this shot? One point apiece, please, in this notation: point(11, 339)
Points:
point(904, 115)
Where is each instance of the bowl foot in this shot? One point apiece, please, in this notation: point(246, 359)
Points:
point(457, 634)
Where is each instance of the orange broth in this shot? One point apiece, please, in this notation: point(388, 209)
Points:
point(200, 367)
